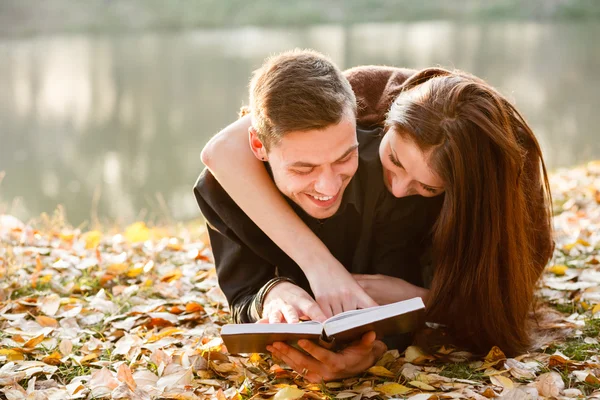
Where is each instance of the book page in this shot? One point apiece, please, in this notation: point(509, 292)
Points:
point(368, 316)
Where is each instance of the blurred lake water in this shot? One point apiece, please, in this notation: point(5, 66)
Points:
point(114, 125)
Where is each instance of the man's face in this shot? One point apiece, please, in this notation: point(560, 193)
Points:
point(313, 168)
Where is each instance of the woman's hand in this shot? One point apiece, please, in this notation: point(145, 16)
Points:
point(388, 289)
point(336, 290)
point(324, 365)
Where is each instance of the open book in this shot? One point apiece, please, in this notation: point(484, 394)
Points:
point(346, 327)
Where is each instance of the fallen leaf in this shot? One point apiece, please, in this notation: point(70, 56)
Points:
point(46, 321)
point(502, 381)
point(34, 341)
point(137, 232)
point(550, 384)
point(124, 375)
point(49, 305)
point(92, 239)
point(289, 393)
point(421, 385)
point(381, 371)
point(392, 389)
point(558, 269)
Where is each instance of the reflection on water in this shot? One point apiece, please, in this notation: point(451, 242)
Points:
point(115, 124)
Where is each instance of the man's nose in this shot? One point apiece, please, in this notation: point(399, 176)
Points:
point(328, 183)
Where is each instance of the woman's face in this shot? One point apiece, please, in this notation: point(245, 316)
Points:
point(406, 170)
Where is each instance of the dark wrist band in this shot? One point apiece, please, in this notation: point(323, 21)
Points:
point(264, 291)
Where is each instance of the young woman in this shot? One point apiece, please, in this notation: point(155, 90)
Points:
point(447, 134)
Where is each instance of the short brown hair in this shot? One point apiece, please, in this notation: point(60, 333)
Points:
point(298, 90)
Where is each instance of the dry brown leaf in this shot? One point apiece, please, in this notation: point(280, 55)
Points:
point(124, 375)
point(46, 321)
point(550, 384)
point(53, 359)
point(421, 385)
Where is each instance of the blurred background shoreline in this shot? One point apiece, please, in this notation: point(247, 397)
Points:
point(33, 17)
point(105, 105)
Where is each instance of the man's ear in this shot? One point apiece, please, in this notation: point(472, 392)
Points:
point(256, 145)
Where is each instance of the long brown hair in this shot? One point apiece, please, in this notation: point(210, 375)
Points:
point(492, 238)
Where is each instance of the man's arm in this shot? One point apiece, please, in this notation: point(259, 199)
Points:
point(241, 272)
point(245, 263)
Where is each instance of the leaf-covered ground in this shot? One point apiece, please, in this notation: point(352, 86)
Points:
point(136, 315)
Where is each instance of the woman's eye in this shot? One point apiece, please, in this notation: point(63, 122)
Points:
point(429, 189)
point(394, 161)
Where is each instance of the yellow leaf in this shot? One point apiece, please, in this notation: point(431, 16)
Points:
point(558, 269)
point(67, 237)
point(421, 385)
point(137, 232)
point(255, 358)
point(174, 246)
point(164, 333)
point(381, 371)
point(495, 355)
point(502, 381)
point(583, 242)
point(116, 269)
point(392, 389)
point(596, 309)
point(12, 354)
point(135, 271)
point(89, 357)
point(289, 393)
point(172, 276)
point(92, 239)
point(31, 343)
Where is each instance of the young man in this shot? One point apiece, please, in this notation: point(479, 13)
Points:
point(303, 128)
point(303, 124)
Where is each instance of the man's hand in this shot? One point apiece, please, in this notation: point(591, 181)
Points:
point(325, 365)
point(337, 291)
point(287, 302)
point(388, 289)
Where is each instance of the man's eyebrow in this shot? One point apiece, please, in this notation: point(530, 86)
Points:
point(350, 150)
point(302, 164)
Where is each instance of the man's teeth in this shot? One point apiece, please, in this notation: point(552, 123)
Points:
point(322, 198)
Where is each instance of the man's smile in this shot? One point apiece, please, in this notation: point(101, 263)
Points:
point(323, 201)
